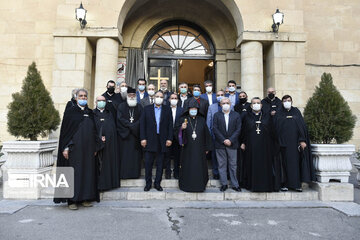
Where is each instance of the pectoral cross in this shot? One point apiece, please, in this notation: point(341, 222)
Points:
point(131, 119)
point(158, 78)
point(258, 131)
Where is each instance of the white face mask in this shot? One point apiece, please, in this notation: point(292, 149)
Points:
point(163, 89)
point(232, 89)
point(287, 105)
point(173, 102)
point(159, 101)
point(226, 107)
point(256, 106)
point(123, 89)
point(131, 102)
point(208, 89)
point(151, 92)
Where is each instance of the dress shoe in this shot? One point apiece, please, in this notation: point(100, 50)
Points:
point(237, 189)
point(298, 189)
point(158, 187)
point(167, 175)
point(73, 206)
point(216, 176)
point(86, 204)
point(147, 188)
point(284, 189)
point(223, 188)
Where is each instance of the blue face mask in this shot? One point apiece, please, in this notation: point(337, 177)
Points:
point(219, 98)
point(196, 93)
point(193, 112)
point(232, 89)
point(183, 90)
point(82, 102)
point(141, 87)
point(101, 104)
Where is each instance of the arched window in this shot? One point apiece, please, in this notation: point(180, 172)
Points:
point(179, 40)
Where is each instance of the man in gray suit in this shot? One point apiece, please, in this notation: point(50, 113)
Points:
point(149, 99)
point(226, 128)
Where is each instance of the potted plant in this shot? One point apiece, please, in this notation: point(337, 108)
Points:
point(330, 123)
point(31, 114)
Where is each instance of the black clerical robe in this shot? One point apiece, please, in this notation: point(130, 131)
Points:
point(112, 102)
point(193, 175)
point(258, 170)
point(78, 133)
point(297, 164)
point(108, 157)
point(128, 127)
point(269, 105)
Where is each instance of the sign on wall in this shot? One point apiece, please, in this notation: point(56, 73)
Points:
point(121, 68)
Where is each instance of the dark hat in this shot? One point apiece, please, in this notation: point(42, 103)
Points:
point(193, 103)
point(131, 90)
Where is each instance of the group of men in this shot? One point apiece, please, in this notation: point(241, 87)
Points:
point(261, 145)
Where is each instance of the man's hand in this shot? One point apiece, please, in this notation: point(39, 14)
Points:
point(273, 112)
point(303, 145)
point(242, 147)
point(103, 138)
point(227, 142)
point(207, 152)
point(168, 143)
point(184, 125)
point(66, 154)
point(143, 143)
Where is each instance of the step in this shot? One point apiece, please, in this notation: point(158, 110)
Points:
point(165, 183)
point(142, 173)
point(211, 194)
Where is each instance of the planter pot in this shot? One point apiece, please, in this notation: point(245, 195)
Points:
point(24, 158)
point(332, 162)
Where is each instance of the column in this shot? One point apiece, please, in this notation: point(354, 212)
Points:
point(107, 51)
point(252, 69)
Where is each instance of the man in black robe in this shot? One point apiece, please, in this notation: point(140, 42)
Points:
point(257, 138)
point(128, 128)
point(295, 146)
point(72, 102)
point(109, 164)
point(113, 99)
point(271, 103)
point(78, 145)
point(194, 137)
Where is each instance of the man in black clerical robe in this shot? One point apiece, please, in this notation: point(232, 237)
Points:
point(271, 104)
point(295, 146)
point(78, 145)
point(109, 164)
point(112, 99)
point(258, 144)
point(195, 139)
point(72, 102)
point(128, 128)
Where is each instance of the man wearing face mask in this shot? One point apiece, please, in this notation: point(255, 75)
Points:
point(258, 139)
point(128, 129)
point(227, 127)
point(141, 93)
point(271, 103)
point(210, 96)
point(156, 135)
point(243, 105)
point(112, 99)
point(204, 104)
point(165, 89)
point(183, 94)
point(123, 90)
point(174, 150)
point(232, 95)
point(194, 137)
point(72, 101)
point(108, 157)
point(150, 99)
point(78, 145)
point(295, 146)
point(214, 108)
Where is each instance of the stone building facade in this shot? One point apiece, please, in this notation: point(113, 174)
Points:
point(316, 37)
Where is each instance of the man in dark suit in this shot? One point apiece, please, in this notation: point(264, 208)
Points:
point(149, 99)
point(183, 94)
point(141, 93)
point(156, 135)
point(204, 104)
point(227, 127)
point(113, 99)
point(164, 87)
point(175, 147)
point(232, 95)
point(210, 96)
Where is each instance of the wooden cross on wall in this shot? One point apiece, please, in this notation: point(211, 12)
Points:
point(159, 78)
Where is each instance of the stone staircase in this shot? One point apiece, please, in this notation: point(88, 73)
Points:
point(133, 189)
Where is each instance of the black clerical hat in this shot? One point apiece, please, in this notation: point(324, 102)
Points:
point(193, 103)
point(131, 90)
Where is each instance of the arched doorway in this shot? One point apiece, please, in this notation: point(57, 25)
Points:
point(179, 51)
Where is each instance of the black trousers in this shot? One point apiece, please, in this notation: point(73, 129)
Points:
point(175, 152)
point(149, 162)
